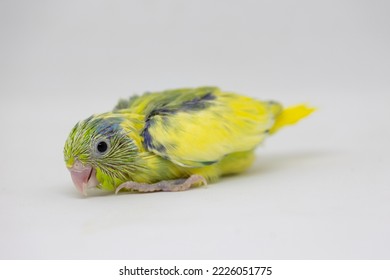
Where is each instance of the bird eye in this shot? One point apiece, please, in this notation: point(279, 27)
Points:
point(102, 147)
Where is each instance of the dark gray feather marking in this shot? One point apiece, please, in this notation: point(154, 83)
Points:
point(196, 104)
point(209, 162)
point(108, 127)
point(146, 135)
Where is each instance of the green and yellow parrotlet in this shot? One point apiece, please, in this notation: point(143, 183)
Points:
point(172, 140)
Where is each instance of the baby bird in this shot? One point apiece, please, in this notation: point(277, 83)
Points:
point(172, 140)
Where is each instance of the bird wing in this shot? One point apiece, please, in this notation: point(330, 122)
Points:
point(198, 127)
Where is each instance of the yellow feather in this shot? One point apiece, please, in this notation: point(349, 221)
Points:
point(233, 124)
point(291, 116)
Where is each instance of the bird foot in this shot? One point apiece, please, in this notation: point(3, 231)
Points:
point(166, 186)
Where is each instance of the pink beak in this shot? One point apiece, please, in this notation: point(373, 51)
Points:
point(83, 177)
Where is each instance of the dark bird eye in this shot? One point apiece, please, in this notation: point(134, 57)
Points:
point(102, 147)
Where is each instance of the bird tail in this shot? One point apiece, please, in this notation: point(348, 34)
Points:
point(291, 116)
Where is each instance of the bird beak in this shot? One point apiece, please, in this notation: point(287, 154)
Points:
point(83, 177)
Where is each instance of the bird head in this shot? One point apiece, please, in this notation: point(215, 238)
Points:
point(99, 152)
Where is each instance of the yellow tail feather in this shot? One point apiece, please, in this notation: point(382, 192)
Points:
point(291, 116)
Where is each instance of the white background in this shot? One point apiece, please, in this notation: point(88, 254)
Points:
point(319, 190)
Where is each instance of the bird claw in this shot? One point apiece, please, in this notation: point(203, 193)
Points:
point(166, 186)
